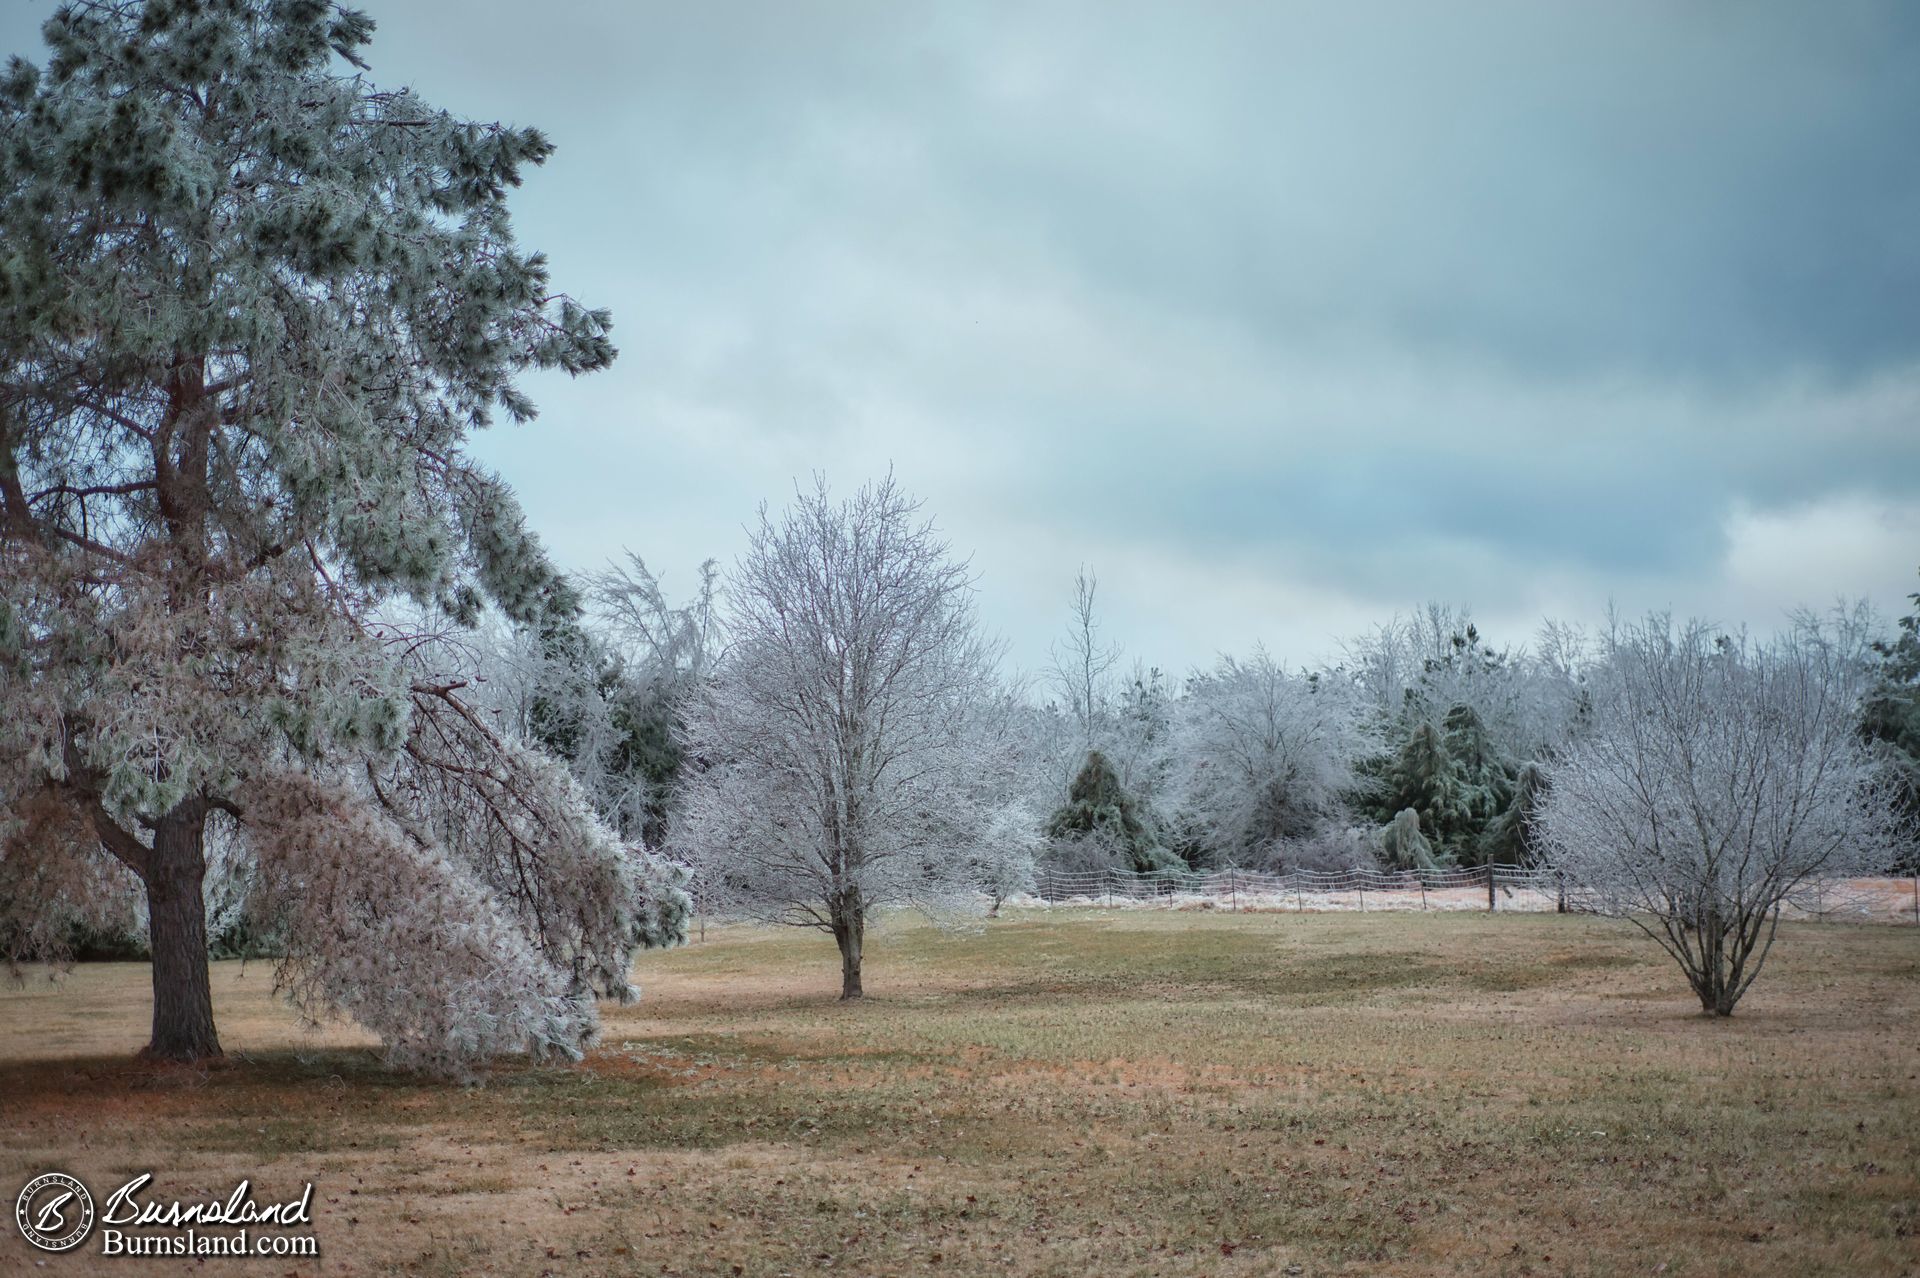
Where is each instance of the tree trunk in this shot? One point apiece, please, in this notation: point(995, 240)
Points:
point(1716, 1002)
point(1715, 986)
point(849, 931)
point(177, 927)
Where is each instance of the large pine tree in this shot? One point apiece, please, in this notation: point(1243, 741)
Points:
point(251, 309)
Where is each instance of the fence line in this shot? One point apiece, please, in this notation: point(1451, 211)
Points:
point(1497, 887)
point(1497, 881)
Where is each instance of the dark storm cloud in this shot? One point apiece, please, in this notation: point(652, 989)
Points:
point(1282, 315)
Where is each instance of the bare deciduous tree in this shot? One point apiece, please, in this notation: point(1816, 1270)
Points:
point(664, 642)
point(1720, 776)
point(851, 749)
point(1081, 665)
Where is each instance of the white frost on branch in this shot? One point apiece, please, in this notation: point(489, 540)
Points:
point(1268, 755)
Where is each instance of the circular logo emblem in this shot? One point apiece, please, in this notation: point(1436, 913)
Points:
point(54, 1211)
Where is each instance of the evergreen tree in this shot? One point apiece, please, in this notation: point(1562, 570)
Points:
point(644, 761)
point(1099, 808)
point(1486, 779)
point(1403, 847)
point(1890, 721)
point(613, 724)
point(252, 308)
point(1510, 838)
point(657, 656)
point(568, 694)
point(1425, 779)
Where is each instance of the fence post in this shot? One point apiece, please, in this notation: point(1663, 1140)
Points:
point(1421, 875)
point(1916, 898)
point(1490, 904)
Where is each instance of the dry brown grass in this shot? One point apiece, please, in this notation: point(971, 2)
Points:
point(1077, 1094)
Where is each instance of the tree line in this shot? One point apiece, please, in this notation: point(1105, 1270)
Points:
point(853, 743)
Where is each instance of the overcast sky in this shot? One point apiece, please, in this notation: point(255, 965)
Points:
point(1282, 317)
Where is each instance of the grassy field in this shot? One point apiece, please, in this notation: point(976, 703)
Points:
point(1075, 1094)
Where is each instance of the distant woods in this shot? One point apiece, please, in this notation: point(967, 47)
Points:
point(1425, 742)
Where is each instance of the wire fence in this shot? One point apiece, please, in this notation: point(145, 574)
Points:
point(1478, 887)
point(1455, 887)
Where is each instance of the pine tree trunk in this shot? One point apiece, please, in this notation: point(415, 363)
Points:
point(177, 927)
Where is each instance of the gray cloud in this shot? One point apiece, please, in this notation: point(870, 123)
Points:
point(1281, 315)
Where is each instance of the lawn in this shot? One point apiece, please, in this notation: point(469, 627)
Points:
point(1074, 1093)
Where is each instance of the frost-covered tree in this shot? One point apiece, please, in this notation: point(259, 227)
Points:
point(1081, 668)
point(658, 654)
point(1402, 846)
point(602, 691)
point(1451, 772)
point(1513, 837)
point(1436, 663)
point(558, 691)
point(851, 749)
point(1266, 755)
point(251, 310)
point(1890, 721)
point(1719, 777)
point(1102, 823)
point(1130, 726)
point(1012, 789)
point(1424, 778)
point(1143, 742)
point(1486, 779)
point(1420, 665)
